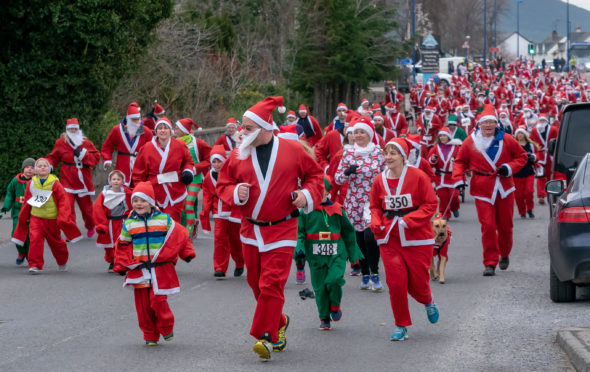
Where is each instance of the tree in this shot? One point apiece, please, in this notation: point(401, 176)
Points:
point(63, 59)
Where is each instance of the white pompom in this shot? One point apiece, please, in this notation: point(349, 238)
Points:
point(199, 129)
point(282, 109)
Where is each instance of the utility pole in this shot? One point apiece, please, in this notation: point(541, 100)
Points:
point(567, 41)
point(495, 13)
point(518, 28)
point(485, 35)
point(414, 43)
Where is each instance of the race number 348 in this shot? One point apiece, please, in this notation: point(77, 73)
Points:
point(396, 202)
point(325, 249)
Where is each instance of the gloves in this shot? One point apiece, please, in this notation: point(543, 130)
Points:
point(122, 272)
point(188, 259)
point(186, 177)
point(433, 159)
point(77, 152)
point(503, 171)
point(350, 170)
point(389, 214)
point(4, 210)
point(532, 158)
point(100, 229)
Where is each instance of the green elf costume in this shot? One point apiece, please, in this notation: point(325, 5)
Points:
point(456, 131)
point(328, 239)
point(200, 151)
point(15, 193)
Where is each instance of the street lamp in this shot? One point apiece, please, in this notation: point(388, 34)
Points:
point(567, 33)
point(518, 28)
point(467, 50)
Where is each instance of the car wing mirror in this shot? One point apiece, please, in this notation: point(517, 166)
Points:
point(551, 146)
point(555, 187)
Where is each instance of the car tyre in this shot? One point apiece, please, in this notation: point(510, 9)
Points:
point(561, 291)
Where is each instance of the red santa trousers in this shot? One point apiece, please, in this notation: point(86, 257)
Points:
point(153, 314)
point(109, 255)
point(541, 193)
point(85, 204)
point(227, 242)
point(496, 228)
point(267, 276)
point(523, 195)
point(444, 197)
point(41, 229)
point(175, 211)
point(406, 272)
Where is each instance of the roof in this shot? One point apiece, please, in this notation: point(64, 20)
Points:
point(513, 34)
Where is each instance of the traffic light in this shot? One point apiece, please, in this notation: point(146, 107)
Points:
point(531, 49)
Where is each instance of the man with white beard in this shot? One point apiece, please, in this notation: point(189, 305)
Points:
point(270, 178)
point(127, 138)
point(78, 156)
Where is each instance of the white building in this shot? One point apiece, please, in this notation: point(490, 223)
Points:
point(508, 46)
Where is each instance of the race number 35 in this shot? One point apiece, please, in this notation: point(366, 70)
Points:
point(396, 202)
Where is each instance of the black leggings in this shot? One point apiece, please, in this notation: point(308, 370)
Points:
point(369, 248)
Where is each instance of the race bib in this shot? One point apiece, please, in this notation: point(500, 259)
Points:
point(39, 197)
point(325, 249)
point(540, 172)
point(168, 177)
point(397, 202)
point(427, 138)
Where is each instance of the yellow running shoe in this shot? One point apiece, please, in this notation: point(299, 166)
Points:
point(263, 347)
point(282, 341)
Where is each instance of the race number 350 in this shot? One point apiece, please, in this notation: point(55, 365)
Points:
point(325, 249)
point(396, 202)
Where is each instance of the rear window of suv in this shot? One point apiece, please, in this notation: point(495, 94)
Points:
point(577, 138)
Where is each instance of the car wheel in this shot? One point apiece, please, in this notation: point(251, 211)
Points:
point(561, 291)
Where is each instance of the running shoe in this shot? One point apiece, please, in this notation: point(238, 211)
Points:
point(34, 270)
point(400, 334)
point(356, 271)
point(219, 274)
point(63, 267)
point(281, 344)
point(377, 286)
point(111, 268)
point(456, 213)
point(151, 343)
point(300, 277)
point(365, 283)
point(263, 347)
point(20, 259)
point(432, 312)
point(90, 233)
point(169, 337)
point(336, 315)
point(238, 271)
point(531, 214)
point(504, 262)
point(324, 325)
point(489, 271)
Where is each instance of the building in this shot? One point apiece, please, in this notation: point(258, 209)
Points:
point(509, 44)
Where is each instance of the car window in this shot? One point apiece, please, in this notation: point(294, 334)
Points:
point(577, 138)
point(581, 175)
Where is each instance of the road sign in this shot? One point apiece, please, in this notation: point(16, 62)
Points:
point(465, 45)
point(404, 62)
point(430, 42)
point(494, 49)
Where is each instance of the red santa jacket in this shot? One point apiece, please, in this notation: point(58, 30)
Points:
point(338, 192)
point(414, 227)
point(290, 168)
point(225, 141)
point(397, 123)
point(443, 165)
point(428, 130)
point(108, 226)
point(212, 204)
point(542, 154)
point(127, 149)
point(327, 147)
point(318, 134)
point(167, 165)
point(383, 136)
point(485, 183)
point(76, 172)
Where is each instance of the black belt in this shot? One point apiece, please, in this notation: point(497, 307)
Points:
point(125, 153)
point(439, 172)
point(74, 164)
point(293, 214)
point(398, 213)
point(148, 264)
point(115, 218)
point(488, 174)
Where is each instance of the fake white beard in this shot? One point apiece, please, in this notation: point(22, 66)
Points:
point(414, 158)
point(428, 116)
point(530, 123)
point(246, 145)
point(76, 138)
point(482, 143)
point(541, 126)
point(132, 127)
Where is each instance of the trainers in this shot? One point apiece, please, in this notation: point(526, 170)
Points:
point(377, 286)
point(169, 337)
point(365, 283)
point(356, 271)
point(111, 268)
point(63, 267)
point(282, 342)
point(90, 233)
point(336, 315)
point(219, 274)
point(530, 213)
point(489, 271)
point(324, 325)
point(523, 216)
point(300, 277)
point(238, 271)
point(34, 270)
point(400, 334)
point(541, 201)
point(504, 262)
point(432, 312)
point(263, 347)
point(456, 213)
point(151, 343)
point(20, 259)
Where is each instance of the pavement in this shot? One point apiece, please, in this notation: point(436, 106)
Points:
point(576, 343)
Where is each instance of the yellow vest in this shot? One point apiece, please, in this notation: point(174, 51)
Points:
point(49, 209)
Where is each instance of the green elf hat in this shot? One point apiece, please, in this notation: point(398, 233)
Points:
point(28, 162)
point(452, 120)
point(327, 184)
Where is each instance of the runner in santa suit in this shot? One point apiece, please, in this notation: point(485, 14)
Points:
point(505, 122)
point(441, 158)
point(167, 163)
point(226, 139)
point(311, 128)
point(541, 134)
point(394, 96)
point(263, 176)
point(78, 156)
point(402, 205)
point(414, 158)
point(493, 156)
point(199, 151)
point(338, 121)
point(384, 134)
point(428, 125)
point(127, 138)
point(395, 121)
point(329, 146)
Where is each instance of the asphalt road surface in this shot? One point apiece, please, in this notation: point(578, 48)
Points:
point(83, 320)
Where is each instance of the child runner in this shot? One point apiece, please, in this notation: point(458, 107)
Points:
point(15, 195)
point(227, 220)
point(147, 250)
point(328, 239)
point(402, 204)
point(110, 209)
point(47, 210)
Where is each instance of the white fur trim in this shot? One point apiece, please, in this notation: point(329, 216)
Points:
point(144, 197)
point(282, 109)
point(76, 239)
point(236, 199)
point(309, 207)
point(366, 128)
point(401, 150)
point(17, 242)
point(288, 136)
point(218, 157)
point(181, 127)
point(487, 117)
point(163, 122)
point(69, 126)
point(258, 120)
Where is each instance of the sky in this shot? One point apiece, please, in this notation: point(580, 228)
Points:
point(584, 4)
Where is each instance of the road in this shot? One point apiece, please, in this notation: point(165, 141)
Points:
point(84, 320)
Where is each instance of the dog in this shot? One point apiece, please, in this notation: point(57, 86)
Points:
point(442, 238)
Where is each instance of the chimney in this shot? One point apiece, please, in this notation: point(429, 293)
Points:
point(554, 36)
point(578, 28)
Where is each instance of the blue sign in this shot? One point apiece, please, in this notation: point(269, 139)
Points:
point(404, 62)
point(430, 41)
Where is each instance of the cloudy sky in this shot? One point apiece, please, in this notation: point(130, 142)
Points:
point(585, 4)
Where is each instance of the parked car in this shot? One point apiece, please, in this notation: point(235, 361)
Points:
point(569, 234)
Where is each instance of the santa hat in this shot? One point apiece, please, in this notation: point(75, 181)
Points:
point(445, 132)
point(502, 112)
point(158, 110)
point(302, 109)
point(413, 140)
point(390, 106)
point(231, 122)
point(145, 191)
point(133, 111)
point(430, 108)
point(363, 123)
point(116, 171)
point(528, 107)
point(217, 152)
point(378, 116)
point(543, 117)
point(452, 119)
point(291, 114)
point(521, 129)
point(289, 132)
point(72, 123)
point(341, 106)
point(401, 145)
point(364, 100)
point(488, 113)
point(163, 120)
point(261, 113)
point(376, 106)
point(185, 125)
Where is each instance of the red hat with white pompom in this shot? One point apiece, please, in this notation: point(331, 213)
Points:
point(133, 111)
point(217, 152)
point(289, 132)
point(186, 125)
point(401, 145)
point(158, 110)
point(261, 113)
point(145, 190)
point(231, 122)
point(363, 123)
point(72, 123)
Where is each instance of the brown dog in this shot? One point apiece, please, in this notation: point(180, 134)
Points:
point(442, 238)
